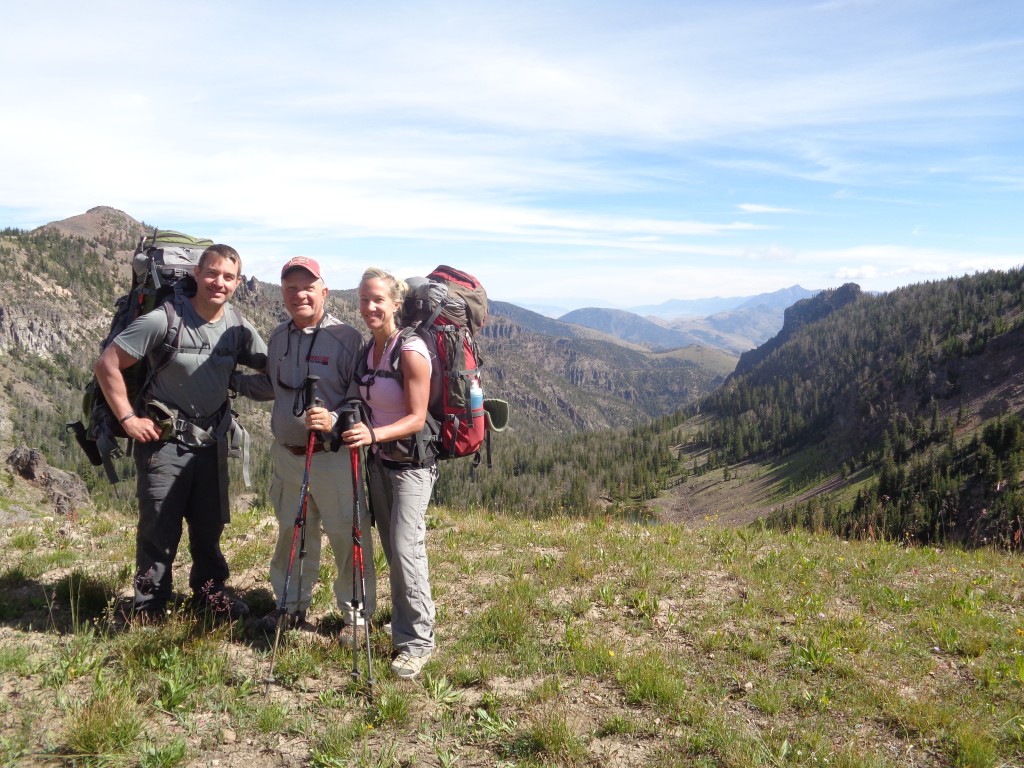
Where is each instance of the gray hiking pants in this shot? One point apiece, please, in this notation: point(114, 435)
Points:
point(399, 498)
point(328, 506)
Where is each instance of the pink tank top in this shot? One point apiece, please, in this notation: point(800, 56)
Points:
point(385, 396)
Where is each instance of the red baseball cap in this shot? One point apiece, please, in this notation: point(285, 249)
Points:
point(301, 262)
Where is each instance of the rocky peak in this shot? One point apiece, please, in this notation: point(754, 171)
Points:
point(103, 224)
point(800, 314)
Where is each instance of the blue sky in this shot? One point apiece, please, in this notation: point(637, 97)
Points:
point(568, 154)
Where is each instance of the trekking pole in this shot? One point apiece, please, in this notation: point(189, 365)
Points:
point(349, 419)
point(309, 397)
point(298, 533)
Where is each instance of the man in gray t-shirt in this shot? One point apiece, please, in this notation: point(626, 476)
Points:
point(181, 432)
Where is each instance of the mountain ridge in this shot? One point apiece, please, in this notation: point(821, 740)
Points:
point(899, 415)
point(674, 309)
point(740, 324)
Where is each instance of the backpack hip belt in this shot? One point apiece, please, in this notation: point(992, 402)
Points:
point(412, 451)
point(221, 427)
point(174, 425)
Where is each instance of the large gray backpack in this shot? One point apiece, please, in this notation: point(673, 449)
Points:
point(162, 276)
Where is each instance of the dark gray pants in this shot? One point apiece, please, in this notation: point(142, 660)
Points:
point(177, 485)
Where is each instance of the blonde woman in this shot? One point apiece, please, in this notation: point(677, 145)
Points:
point(400, 480)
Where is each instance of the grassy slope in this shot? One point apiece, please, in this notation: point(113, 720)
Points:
point(560, 642)
point(989, 386)
point(716, 361)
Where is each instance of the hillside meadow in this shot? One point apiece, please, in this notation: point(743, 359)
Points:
point(562, 641)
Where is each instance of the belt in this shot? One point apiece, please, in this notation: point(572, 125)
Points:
point(397, 465)
point(300, 450)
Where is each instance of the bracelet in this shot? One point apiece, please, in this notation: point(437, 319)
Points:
point(127, 416)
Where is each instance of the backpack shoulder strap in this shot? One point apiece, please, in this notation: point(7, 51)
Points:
point(168, 347)
point(393, 368)
point(233, 319)
point(363, 373)
point(172, 341)
point(422, 331)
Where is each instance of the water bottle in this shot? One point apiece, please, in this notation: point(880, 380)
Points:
point(476, 396)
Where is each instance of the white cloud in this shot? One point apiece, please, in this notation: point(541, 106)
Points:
point(758, 208)
point(857, 273)
point(887, 267)
point(539, 134)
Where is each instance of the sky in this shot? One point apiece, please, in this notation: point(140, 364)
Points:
point(566, 153)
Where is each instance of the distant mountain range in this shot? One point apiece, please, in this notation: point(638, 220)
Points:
point(735, 324)
point(677, 309)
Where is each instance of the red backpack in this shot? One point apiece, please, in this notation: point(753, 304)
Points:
point(446, 309)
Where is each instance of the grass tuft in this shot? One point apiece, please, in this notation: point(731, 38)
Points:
point(106, 724)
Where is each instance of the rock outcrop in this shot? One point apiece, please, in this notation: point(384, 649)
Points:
point(65, 490)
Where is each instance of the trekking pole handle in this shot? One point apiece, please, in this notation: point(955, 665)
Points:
point(349, 417)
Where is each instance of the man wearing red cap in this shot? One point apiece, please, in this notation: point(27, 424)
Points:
point(311, 343)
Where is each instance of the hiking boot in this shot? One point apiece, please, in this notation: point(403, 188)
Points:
point(408, 667)
point(149, 612)
point(268, 624)
point(219, 605)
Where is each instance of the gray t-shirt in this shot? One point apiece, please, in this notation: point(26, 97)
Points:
point(195, 381)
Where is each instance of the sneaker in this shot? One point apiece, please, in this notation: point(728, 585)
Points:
point(268, 623)
point(408, 667)
point(219, 605)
